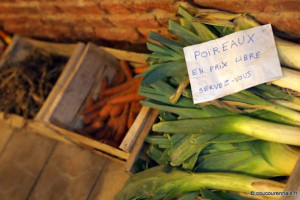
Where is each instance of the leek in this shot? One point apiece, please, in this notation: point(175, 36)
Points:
point(163, 182)
point(234, 124)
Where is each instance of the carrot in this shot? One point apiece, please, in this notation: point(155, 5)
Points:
point(105, 111)
point(124, 86)
point(136, 107)
point(126, 69)
point(102, 102)
point(89, 102)
point(111, 122)
point(132, 115)
point(105, 99)
point(116, 110)
point(96, 106)
point(131, 119)
point(104, 85)
point(118, 78)
point(97, 124)
point(122, 125)
point(122, 78)
point(139, 70)
point(90, 117)
point(128, 98)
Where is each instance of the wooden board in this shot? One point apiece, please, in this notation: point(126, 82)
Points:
point(68, 70)
point(59, 180)
point(70, 171)
point(21, 163)
point(111, 181)
point(5, 135)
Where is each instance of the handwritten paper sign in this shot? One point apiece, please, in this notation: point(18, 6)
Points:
point(232, 63)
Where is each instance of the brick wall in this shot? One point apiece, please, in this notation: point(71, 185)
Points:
point(124, 20)
point(118, 20)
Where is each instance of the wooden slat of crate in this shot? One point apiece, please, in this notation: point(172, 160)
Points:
point(71, 97)
point(136, 151)
point(136, 129)
point(16, 50)
point(69, 68)
point(60, 134)
point(91, 142)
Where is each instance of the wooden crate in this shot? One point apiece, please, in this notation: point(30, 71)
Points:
point(18, 51)
point(64, 113)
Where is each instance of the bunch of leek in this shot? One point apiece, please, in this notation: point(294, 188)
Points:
point(252, 112)
point(223, 153)
point(187, 134)
point(221, 145)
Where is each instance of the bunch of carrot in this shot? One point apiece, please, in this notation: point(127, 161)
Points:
point(108, 118)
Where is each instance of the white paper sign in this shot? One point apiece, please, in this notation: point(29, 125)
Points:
point(232, 63)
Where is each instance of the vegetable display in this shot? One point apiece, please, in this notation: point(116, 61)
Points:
point(108, 118)
point(223, 148)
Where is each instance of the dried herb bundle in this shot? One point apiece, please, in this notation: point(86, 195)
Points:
point(24, 86)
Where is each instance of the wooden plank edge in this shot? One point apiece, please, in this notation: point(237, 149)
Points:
point(88, 141)
point(126, 55)
point(48, 107)
point(64, 85)
point(140, 141)
point(108, 156)
point(135, 130)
